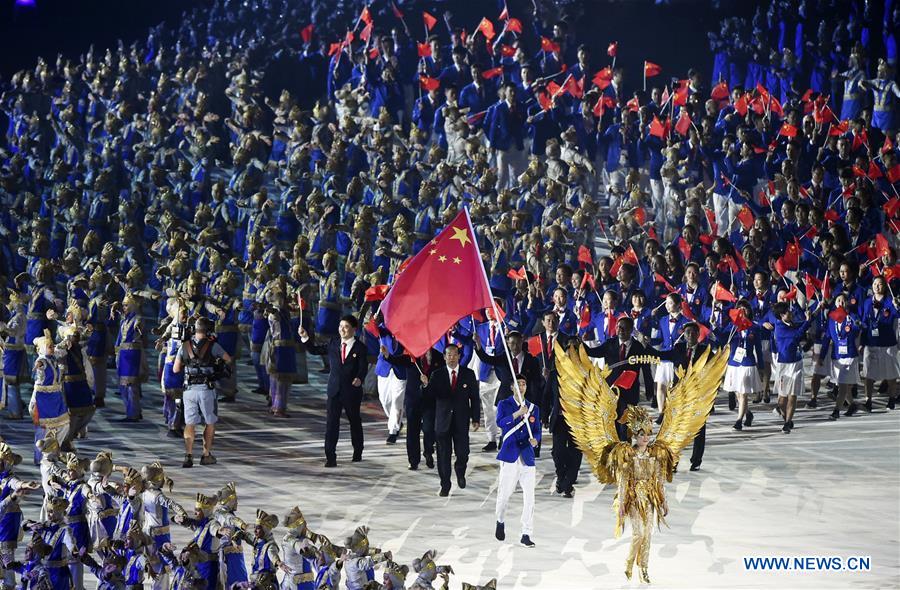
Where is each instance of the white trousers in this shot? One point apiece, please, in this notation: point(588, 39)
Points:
point(488, 392)
point(510, 474)
point(391, 391)
point(720, 208)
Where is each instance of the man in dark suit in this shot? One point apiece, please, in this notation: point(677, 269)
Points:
point(618, 350)
point(457, 403)
point(348, 362)
point(566, 455)
point(683, 354)
point(523, 363)
point(418, 405)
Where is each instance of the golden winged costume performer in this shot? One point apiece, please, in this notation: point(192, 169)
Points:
point(638, 470)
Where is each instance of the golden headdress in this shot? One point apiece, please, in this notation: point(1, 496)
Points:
point(130, 299)
point(74, 463)
point(156, 475)
point(43, 343)
point(133, 477)
point(205, 503)
point(265, 520)
point(136, 535)
point(227, 496)
point(102, 464)
point(49, 444)
point(294, 519)
point(7, 456)
point(638, 421)
point(397, 573)
point(358, 542)
point(56, 503)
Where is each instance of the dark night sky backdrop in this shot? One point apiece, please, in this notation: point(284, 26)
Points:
point(673, 36)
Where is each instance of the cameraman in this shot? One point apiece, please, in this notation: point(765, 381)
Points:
point(204, 362)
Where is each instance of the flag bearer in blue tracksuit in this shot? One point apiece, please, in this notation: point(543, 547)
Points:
point(520, 425)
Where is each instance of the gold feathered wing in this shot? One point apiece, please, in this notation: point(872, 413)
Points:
point(590, 409)
point(687, 406)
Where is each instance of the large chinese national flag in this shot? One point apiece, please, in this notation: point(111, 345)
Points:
point(444, 282)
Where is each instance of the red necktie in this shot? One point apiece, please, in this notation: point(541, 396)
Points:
point(343, 352)
point(493, 334)
point(622, 353)
point(453, 379)
point(515, 366)
point(550, 346)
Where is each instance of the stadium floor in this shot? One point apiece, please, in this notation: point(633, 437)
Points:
point(827, 489)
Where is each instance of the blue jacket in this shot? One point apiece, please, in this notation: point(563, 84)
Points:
point(750, 340)
point(504, 127)
point(787, 341)
point(841, 338)
point(516, 444)
point(878, 322)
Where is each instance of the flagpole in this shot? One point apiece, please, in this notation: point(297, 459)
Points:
point(517, 393)
point(645, 75)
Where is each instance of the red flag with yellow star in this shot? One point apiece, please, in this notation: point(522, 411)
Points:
point(444, 282)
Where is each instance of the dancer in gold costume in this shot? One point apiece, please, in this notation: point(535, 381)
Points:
point(640, 470)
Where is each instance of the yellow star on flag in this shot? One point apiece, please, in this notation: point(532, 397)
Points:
point(460, 233)
point(442, 258)
point(457, 260)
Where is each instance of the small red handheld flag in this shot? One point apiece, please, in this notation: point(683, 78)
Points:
point(376, 292)
point(307, 32)
point(549, 46)
point(518, 275)
point(486, 28)
point(429, 83)
point(625, 380)
point(719, 91)
point(584, 255)
point(430, 21)
point(739, 319)
point(603, 78)
point(366, 16)
point(612, 49)
point(684, 123)
point(651, 69)
point(723, 294)
point(838, 314)
point(788, 130)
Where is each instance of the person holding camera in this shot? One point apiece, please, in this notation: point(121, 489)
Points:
point(204, 362)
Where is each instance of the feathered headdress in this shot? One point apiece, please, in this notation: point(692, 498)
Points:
point(638, 421)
